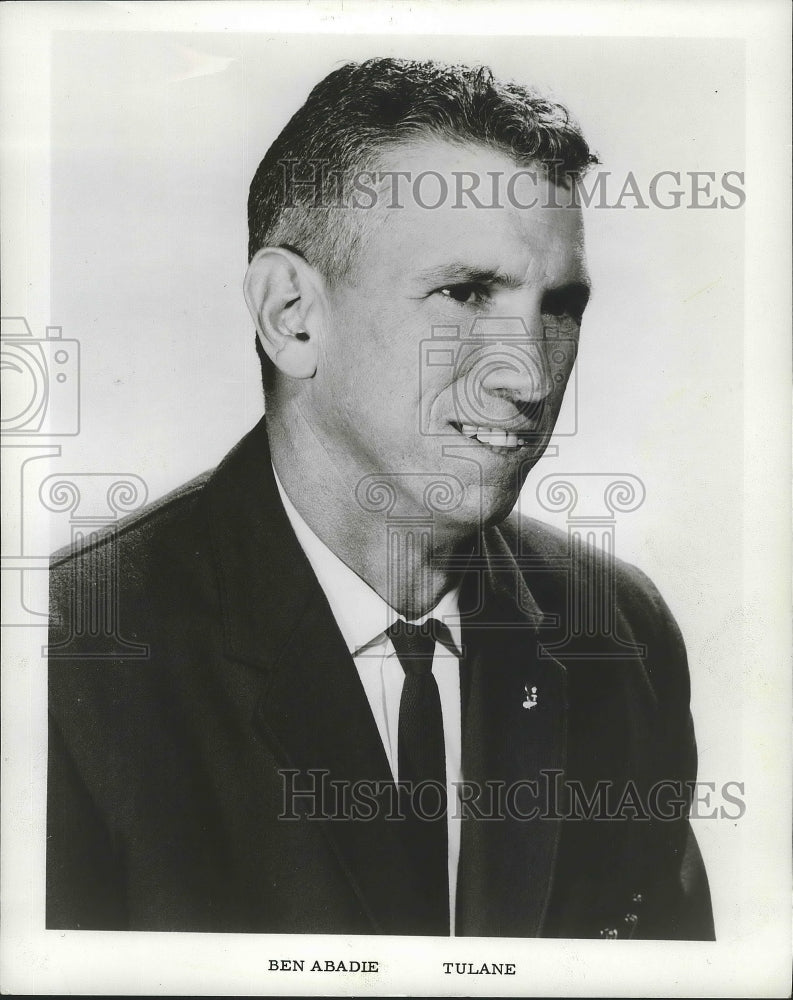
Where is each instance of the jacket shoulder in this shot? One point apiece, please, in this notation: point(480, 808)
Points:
point(137, 526)
point(152, 560)
point(541, 544)
point(562, 578)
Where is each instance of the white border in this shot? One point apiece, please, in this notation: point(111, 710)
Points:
point(34, 961)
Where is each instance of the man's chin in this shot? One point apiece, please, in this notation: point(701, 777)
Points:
point(494, 492)
point(497, 507)
point(482, 507)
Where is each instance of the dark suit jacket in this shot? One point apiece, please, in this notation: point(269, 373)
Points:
point(194, 657)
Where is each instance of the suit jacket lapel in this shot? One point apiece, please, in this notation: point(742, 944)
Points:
point(318, 719)
point(315, 715)
point(513, 750)
point(312, 709)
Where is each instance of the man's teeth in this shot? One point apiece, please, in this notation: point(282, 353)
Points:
point(492, 436)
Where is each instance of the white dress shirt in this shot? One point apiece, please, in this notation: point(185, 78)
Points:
point(363, 617)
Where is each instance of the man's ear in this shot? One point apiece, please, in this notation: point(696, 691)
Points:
point(280, 289)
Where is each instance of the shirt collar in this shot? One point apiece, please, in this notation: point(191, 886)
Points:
point(360, 612)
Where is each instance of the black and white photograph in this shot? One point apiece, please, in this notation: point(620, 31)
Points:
point(396, 488)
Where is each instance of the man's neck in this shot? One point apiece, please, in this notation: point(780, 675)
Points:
point(408, 564)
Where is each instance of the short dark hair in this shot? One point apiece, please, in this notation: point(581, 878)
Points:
point(362, 109)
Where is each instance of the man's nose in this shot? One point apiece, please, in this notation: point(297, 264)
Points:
point(523, 377)
point(517, 368)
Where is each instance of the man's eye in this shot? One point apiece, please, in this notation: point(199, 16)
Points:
point(565, 305)
point(470, 293)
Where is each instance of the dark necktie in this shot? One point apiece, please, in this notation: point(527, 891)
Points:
point(422, 765)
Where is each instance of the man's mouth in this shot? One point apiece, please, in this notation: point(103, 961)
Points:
point(496, 437)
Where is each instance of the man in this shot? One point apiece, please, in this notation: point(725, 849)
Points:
point(344, 693)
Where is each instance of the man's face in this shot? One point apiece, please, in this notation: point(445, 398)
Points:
point(448, 348)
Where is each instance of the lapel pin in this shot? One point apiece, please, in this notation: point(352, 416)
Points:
point(531, 697)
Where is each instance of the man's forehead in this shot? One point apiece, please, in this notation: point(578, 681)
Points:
point(454, 208)
point(420, 169)
point(445, 154)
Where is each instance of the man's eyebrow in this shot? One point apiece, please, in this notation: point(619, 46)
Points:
point(458, 272)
